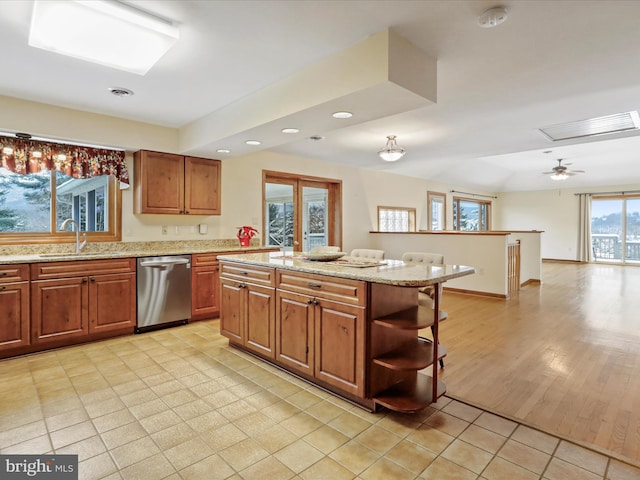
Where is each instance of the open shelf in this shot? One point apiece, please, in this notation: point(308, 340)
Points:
point(410, 397)
point(415, 356)
point(414, 318)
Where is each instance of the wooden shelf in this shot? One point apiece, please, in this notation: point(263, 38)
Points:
point(411, 357)
point(414, 318)
point(410, 397)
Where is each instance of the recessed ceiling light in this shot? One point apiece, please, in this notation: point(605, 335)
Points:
point(290, 130)
point(121, 92)
point(108, 33)
point(253, 142)
point(223, 150)
point(316, 138)
point(342, 115)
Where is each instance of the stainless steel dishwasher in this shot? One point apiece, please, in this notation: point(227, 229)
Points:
point(164, 291)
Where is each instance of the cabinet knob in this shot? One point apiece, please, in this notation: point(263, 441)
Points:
point(3, 287)
point(314, 285)
point(3, 274)
point(84, 280)
point(93, 279)
point(316, 302)
point(309, 302)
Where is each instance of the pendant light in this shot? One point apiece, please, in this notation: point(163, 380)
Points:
point(391, 151)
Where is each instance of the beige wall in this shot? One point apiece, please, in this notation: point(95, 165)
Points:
point(553, 211)
point(362, 190)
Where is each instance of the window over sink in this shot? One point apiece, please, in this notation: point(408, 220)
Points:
point(33, 205)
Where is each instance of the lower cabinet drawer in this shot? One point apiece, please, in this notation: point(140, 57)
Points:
point(249, 273)
point(339, 289)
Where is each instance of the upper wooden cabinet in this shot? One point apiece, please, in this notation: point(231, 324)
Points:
point(172, 184)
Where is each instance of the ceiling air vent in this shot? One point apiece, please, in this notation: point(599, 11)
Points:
point(620, 122)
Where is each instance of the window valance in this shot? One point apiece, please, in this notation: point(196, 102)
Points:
point(31, 156)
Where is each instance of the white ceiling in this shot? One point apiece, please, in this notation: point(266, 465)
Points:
point(552, 62)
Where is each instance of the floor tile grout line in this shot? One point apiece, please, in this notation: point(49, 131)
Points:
point(120, 353)
point(607, 454)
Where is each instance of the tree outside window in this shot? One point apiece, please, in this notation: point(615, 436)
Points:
point(471, 215)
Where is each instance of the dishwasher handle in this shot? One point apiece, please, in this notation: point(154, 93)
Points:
point(164, 263)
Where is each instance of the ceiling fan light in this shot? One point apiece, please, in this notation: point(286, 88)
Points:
point(391, 151)
point(559, 176)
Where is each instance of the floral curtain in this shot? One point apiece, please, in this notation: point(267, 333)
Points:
point(32, 156)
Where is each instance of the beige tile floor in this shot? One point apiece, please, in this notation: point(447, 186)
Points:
point(180, 404)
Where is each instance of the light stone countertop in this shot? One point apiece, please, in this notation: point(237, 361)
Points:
point(14, 254)
point(391, 272)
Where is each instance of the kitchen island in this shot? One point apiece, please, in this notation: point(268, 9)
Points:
point(349, 328)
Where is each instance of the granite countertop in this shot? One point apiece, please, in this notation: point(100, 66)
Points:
point(392, 272)
point(105, 250)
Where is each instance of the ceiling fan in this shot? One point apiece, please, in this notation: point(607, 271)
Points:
point(561, 172)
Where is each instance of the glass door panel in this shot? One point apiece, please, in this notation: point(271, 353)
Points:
point(606, 229)
point(314, 217)
point(279, 215)
point(632, 237)
point(301, 212)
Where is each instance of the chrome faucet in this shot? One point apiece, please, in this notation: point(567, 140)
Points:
point(79, 246)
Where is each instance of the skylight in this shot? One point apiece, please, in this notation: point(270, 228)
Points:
point(619, 122)
point(105, 32)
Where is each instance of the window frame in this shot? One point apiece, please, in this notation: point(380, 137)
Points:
point(456, 213)
point(114, 219)
point(409, 210)
point(430, 200)
point(298, 182)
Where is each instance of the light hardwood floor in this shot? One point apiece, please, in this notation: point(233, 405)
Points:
point(563, 356)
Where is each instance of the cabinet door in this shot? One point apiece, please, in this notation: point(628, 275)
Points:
point(260, 320)
point(232, 307)
point(59, 309)
point(158, 182)
point(294, 331)
point(340, 345)
point(202, 186)
point(112, 302)
point(14, 315)
point(205, 287)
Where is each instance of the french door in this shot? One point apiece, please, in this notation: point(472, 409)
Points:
point(301, 212)
point(615, 229)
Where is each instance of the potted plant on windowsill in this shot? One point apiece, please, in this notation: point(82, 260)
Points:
point(245, 234)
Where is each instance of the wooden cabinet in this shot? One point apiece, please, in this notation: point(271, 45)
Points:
point(247, 313)
point(205, 286)
point(166, 183)
point(295, 331)
point(14, 306)
point(355, 334)
point(71, 300)
point(320, 328)
point(321, 338)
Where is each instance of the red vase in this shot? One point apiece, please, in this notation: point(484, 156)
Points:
point(244, 241)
